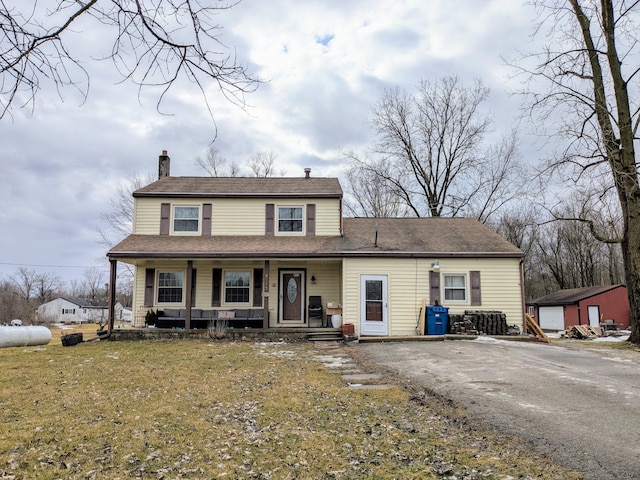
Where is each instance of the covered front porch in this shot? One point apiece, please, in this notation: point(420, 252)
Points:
point(196, 294)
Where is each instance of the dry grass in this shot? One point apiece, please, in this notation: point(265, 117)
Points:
point(192, 409)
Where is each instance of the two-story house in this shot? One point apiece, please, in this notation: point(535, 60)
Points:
point(264, 249)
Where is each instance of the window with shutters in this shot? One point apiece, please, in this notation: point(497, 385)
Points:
point(186, 219)
point(237, 287)
point(455, 287)
point(170, 287)
point(290, 220)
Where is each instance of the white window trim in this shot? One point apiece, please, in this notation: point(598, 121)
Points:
point(277, 220)
point(157, 284)
point(173, 219)
point(223, 299)
point(466, 288)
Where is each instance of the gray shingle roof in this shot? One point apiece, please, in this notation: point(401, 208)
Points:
point(172, 187)
point(572, 295)
point(421, 237)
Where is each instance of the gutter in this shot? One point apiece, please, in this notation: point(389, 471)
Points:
point(316, 254)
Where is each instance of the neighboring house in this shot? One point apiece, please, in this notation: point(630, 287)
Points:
point(76, 310)
point(582, 306)
point(126, 315)
point(265, 246)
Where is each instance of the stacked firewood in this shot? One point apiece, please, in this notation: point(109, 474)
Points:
point(479, 322)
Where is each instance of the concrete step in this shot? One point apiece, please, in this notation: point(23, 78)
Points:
point(325, 338)
point(325, 334)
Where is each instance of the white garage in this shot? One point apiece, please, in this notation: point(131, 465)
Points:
point(551, 318)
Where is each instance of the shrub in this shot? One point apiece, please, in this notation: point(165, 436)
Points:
point(218, 328)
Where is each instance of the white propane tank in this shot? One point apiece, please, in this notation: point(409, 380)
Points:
point(24, 336)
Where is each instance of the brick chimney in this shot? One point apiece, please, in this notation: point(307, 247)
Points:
point(164, 165)
point(307, 173)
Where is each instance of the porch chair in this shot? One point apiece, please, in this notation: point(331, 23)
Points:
point(315, 308)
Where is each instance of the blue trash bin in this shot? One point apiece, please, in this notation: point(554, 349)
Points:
point(437, 320)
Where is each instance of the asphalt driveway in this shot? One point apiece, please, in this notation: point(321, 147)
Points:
point(580, 406)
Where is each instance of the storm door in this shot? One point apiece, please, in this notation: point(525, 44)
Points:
point(373, 305)
point(292, 296)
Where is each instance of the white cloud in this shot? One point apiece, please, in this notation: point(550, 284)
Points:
point(325, 65)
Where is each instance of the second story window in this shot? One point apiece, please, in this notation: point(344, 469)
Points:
point(186, 219)
point(289, 219)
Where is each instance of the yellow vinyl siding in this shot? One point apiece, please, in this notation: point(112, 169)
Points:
point(407, 281)
point(147, 216)
point(327, 216)
point(236, 216)
point(408, 284)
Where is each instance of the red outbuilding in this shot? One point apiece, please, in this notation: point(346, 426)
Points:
point(594, 306)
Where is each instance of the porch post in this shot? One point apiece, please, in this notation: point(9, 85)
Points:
point(189, 300)
point(265, 295)
point(113, 268)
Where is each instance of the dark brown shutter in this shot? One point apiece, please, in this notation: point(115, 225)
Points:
point(215, 291)
point(257, 287)
point(165, 218)
point(311, 219)
point(206, 219)
point(269, 218)
point(476, 298)
point(434, 288)
point(149, 279)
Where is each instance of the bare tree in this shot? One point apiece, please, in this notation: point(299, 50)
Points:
point(93, 284)
point(572, 256)
point(216, 165)
point(118, 220)
point(263, 164)
point(435, 153)
point(21, 301)
point(587, 92)
point(24, 280)
point(369, 194)
point(47, 285)
point(155, 44)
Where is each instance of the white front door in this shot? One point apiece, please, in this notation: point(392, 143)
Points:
point(594, 315)
point(373, 305)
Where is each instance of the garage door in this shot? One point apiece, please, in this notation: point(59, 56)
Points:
point(551, 318)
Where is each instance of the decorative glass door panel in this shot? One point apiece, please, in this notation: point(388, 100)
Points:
point(292, 296)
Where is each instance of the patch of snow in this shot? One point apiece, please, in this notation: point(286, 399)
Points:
point(612, 338)
point(558, 334)
point(483, 339)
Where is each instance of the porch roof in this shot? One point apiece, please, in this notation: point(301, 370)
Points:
point(386, 237)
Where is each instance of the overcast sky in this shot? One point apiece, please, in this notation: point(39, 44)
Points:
point(326, 62)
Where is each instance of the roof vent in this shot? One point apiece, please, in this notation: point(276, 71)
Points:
point(307, 173)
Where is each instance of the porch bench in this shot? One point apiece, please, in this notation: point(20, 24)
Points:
point(236, 318)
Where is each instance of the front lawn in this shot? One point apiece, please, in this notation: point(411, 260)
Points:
point(195, 409)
